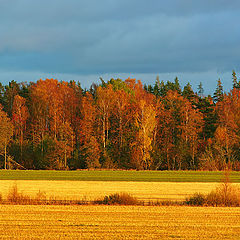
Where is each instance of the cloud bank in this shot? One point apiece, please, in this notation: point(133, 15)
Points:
point(93, 38)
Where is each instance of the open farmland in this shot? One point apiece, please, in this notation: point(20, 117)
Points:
point(118, 222)
point(91, 190)
point(89, 185)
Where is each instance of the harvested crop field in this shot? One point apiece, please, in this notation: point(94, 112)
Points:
point(118, 222)
point(90, 190)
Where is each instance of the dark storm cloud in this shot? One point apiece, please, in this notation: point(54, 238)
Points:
point(112, 36)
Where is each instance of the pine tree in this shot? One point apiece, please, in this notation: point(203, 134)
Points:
point(200, 89)
point(156, 88)
point(177, 86)
point(236, 84)
point(188, 92)
point(218, 94)
point(150, 88)
point(162, 89)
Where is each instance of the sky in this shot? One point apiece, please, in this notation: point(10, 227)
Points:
point(83, 40)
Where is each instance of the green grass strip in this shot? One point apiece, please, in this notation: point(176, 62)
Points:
point(118, 175)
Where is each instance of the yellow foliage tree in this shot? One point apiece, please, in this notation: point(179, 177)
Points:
point(145, 122)
point(6, 132)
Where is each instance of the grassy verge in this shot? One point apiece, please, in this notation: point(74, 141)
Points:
point(118, 175)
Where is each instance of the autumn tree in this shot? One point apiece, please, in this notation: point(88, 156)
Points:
point(145, 123)
point(90, 149)
point(65, 144)
point(190, 125)
point(227, 134)
point(168, 121)
point(104, 104)
point(53, 113)
point(120, 121)
point(6, 130)
point(19, 118)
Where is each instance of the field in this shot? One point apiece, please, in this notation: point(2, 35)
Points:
point(108, 175)
point(90, 190)
point(90, 185)
point(115, 222)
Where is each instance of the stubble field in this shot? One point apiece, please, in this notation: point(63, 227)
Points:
point(92, 190)
point(118, 222)
point(89, 185)
point(115, 222)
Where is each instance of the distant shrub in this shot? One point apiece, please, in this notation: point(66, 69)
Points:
point(213, 199)
point(41, 196)
point(118, 199)
point(15, 197)
point(198, 199)
point(225, 194)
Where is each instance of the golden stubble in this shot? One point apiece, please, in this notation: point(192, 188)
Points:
point(118, 222)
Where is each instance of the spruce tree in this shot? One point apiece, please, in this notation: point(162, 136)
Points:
point(236, 83)
point(177, 86)
point(188, 92)
point(200, 90)
point(218, 94)
point(156, 88)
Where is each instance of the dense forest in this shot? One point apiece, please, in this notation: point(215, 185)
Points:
point(119, 124)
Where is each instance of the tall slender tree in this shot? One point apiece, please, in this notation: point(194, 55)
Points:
point(6, 130)
point(19, 117)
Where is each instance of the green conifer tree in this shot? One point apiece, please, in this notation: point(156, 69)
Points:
point(218, 94)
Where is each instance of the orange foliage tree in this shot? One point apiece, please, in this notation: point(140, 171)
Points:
point(190, 126)
point(53, 106)
point(145, 123)
point(227, 136)
point(19, 117)
point(6, 130)
point(104, 104)
point(89, 145)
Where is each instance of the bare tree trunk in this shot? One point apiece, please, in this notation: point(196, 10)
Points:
point(55, 127)
point(193, 157)
point(121, 132)
point(107, 126)
point(5, 155)
point(21, 143)
point(104, 137)
point(65, 157)
point(168, 160)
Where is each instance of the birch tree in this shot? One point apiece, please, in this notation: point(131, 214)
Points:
point(6, 132)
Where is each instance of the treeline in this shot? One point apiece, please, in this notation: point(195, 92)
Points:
point(119, 124)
